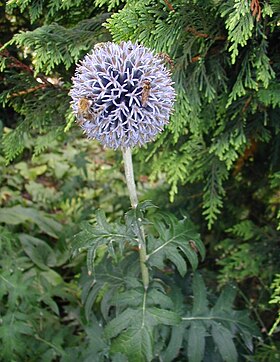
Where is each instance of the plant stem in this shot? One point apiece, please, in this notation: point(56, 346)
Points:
point(128, 168)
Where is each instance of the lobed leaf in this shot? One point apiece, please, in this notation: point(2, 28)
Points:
point(200, 302)
point(174, 344)
point(136, 344)
point(224, 341)
point(196, 342)
point(176, 238)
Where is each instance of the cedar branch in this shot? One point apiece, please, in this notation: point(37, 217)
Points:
point(256, 9)
point(199, 34)
point(16, 63)
point(170, 7)
point(27, 91)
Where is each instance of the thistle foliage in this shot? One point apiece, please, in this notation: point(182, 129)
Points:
point(156, 321)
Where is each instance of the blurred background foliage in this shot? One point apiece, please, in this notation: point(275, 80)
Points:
point(217, 161)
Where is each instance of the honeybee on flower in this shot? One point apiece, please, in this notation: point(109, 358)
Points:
point(84, 112)
point(145, 92)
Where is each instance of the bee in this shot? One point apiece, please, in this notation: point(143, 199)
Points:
point(84, 112)
point(145, 92)
point(99, 46)
point(166, 58)
point(193, 246)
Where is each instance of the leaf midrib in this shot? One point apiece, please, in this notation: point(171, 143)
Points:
point(214, 318)
point(166, 243)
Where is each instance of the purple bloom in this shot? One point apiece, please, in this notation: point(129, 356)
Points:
point(122, 94)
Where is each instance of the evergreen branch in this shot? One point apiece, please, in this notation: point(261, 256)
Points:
point(170, 7)
point(26, 91)
point(247, 103)
point(195, 58)
point(256, 9)
point(14, 62)
point(53, 44)
point(240, 25)
point(199, 34)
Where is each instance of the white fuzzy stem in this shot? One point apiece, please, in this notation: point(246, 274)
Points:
point(128, 168)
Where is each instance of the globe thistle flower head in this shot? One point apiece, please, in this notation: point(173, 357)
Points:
point(122, 94)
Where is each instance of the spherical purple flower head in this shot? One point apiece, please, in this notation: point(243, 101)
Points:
point(122, 94)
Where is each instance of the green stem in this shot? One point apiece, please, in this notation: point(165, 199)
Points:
point(128, 168)
point(251, 306)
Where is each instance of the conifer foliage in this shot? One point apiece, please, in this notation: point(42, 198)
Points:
point(224, 63)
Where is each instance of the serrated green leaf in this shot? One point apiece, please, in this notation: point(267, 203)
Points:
point(90, 299)
point(101, 220)
point(221, 322)
point(139, 323)
point(224, 341)
point(136, 344)
point(145, 205)
point(132, 282)
point(142, 317)
point(180, 263)
point(157, 297)
point(110, 236)
point(162, 316)
point(107, 300)
point(226, 299)
point(13, 326)
point(174, 344)
point(200, 302)
point(119, 357)
point(132, 298)
point(108, 278)
point(97, 343)
point(173, 242)
point(190, 254)
point(196, 342)
point(121, 322)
